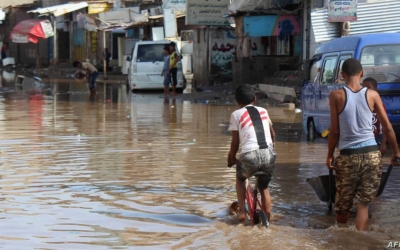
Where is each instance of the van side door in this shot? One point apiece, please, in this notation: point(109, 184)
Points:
point(326, 86)
point(309, 89)
point(339, 81)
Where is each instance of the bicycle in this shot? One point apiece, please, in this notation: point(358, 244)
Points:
point(252, 201)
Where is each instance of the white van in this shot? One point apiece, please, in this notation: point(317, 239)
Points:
point(146, 65)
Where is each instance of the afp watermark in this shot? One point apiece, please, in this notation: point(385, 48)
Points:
point(393, 244)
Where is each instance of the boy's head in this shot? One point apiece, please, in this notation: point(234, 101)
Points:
point(245, 95)
point(166, 50)
point(370, 83)
point(352, 68)
point(172, 47)
point(76, 64)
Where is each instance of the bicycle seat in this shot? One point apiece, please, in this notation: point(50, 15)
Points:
point(258, 173)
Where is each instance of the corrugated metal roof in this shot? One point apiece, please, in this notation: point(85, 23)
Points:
point(371, 18)
point(323, 31)
point(60, 10)
point(377, 17)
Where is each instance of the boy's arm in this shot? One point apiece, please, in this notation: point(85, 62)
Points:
point(334, 133)
point(387, 128)
point(382, 147)
point(234, 149)
point(272, 133)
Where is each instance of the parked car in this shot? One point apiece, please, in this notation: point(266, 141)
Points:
point(380, 56)
point(146, 64)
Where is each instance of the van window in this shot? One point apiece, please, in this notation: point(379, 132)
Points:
point(382, 62)
point(339, 77)
point(150, 53)
point(328, 70)
point(314, 70)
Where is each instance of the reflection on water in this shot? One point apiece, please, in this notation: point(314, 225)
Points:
point(143, 172)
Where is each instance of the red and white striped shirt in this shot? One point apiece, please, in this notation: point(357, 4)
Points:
point(241, 121)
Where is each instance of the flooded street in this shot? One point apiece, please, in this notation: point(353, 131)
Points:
point(143, 172)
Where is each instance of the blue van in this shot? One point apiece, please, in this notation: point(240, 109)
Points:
point(380, 56)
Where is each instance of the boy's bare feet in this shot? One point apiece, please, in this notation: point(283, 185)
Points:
point(242, 216)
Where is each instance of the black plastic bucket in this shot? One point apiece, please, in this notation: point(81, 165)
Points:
point(320, 185)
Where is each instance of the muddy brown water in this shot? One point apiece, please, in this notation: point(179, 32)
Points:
point(143, 172)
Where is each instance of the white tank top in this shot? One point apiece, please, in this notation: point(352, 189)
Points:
point(355, 120)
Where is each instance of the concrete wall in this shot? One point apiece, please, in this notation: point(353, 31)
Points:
point(255, 70)
point(199, 57)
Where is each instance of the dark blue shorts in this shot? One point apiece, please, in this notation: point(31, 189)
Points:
point(167, 78)
point(93, 78)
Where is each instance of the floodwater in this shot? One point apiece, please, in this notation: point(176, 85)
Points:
point(143, 172)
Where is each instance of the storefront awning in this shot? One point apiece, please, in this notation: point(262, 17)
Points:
point(60, 10)
point(31, 30)
point(86, 22)
point(257, 5)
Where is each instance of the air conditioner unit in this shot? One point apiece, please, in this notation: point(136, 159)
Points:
point(345, 29)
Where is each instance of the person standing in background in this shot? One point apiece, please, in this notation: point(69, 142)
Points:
point(371, 83)
point(173, 69)
point(164, 73)
point(107, 54)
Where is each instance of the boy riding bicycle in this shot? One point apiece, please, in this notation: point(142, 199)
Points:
point(251, 128)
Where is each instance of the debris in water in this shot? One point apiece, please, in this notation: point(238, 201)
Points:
point(297, 111)
point(194, 140)
point(149, 144)
point(185, 150)
point(128, 116)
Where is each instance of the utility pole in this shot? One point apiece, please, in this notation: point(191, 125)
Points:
point(55, 51)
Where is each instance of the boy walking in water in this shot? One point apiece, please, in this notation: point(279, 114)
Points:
point(358, 167)
point(371, 83)
point(251, 128)
point(173, 68)
point(91, 74)
point(164, 73)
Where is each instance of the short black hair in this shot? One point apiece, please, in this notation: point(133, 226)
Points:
point(166, 48)
point(372, 81)
point(245, 94)
point(352, 67)
point(75, 64)
point(172, 44)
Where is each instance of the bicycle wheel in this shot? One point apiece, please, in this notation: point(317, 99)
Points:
point(261, 216)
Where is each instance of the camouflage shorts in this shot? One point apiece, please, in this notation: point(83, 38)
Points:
point(358, 177)
point(257, 160)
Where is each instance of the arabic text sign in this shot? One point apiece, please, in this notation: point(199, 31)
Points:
point(207, 12)
point(178, 5)
point(170, 23)
point(342, 11)
point(19, 38)
point(47, 29)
